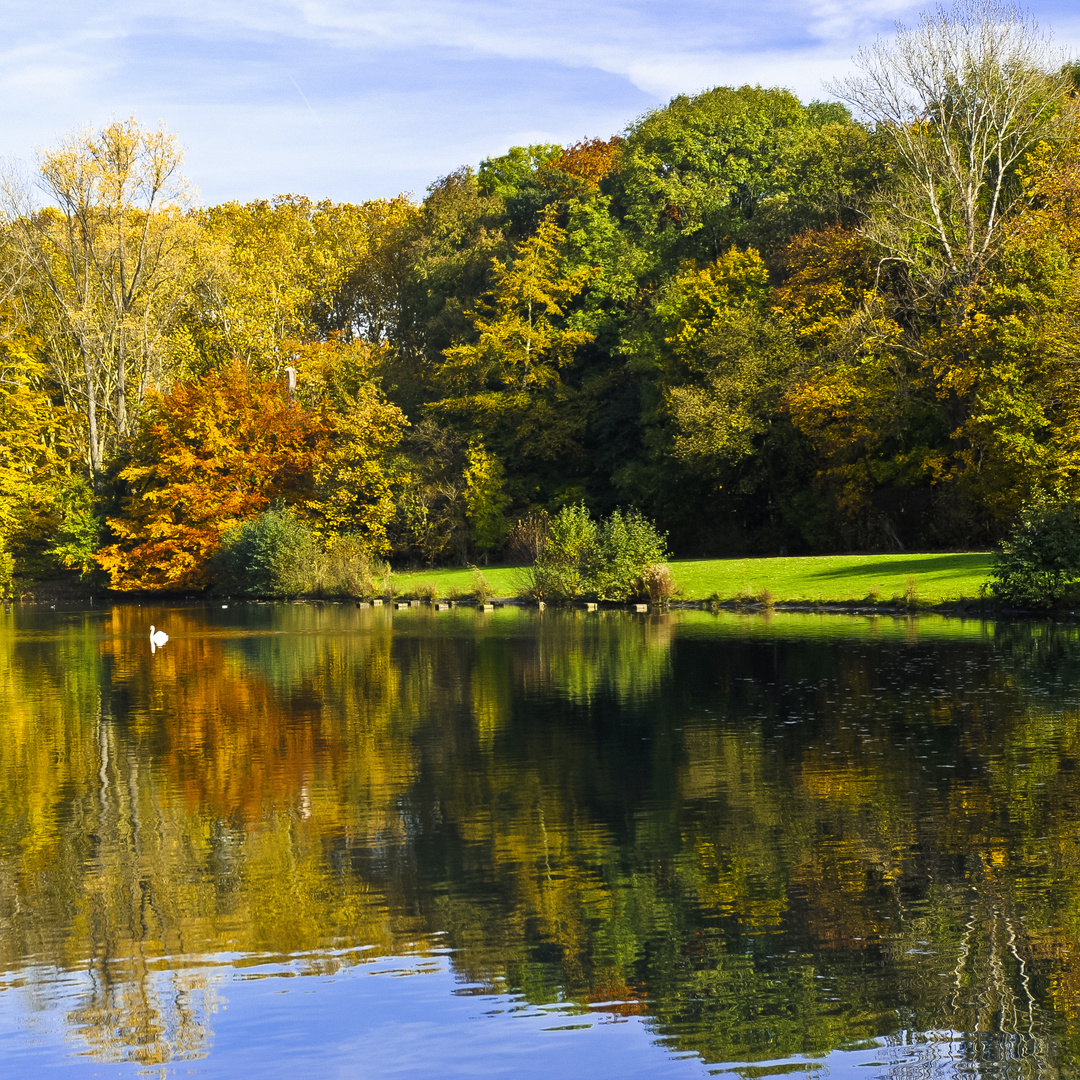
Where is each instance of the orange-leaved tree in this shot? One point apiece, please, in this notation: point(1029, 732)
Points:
point(578, 170)
point(214, 453)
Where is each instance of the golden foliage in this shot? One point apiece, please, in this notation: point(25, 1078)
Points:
point(586, 163)
point(288, 269)
point(214, 453)
point(522, 338)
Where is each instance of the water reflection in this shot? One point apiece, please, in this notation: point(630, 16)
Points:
point(771, 840)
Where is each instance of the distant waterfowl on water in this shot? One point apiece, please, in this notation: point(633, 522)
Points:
point(157, 639)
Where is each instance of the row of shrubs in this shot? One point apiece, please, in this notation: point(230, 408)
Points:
point(571, 556)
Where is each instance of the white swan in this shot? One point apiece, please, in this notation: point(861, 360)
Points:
point(157, 639)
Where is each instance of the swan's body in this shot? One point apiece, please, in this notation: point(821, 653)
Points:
point(157, 638)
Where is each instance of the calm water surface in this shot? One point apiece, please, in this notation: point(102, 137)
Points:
point(335, 842)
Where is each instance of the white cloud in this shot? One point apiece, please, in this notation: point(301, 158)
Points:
point(398, 91)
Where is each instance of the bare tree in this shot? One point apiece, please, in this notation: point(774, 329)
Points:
point(961, 98)
point(104, 260)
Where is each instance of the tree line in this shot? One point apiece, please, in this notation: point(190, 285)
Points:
point(763, 324)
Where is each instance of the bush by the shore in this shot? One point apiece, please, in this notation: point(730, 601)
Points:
point(276, 556)
point(616, 559)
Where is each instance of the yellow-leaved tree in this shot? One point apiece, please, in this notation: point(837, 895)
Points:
point(105, 265)
point(505, 388)
point(715, 362)
point(286, 270)
point(36, 444)
point(523, 338)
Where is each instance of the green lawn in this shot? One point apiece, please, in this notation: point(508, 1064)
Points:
point(938, 578)
point(503, 579)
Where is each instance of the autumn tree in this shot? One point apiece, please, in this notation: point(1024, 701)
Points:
point(579, 168)
point(36, 449)
point(288, 269)
point(522, 340)
point(713, 362)
point(961, 99)
point(507, 384)
point(355, 479)
point(107, 260)
point(868, 412)
point(485, 498)
point(216, 452)
point(368, 264)
point(1011, 360)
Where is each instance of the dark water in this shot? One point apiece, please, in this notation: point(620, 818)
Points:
point(323, 841)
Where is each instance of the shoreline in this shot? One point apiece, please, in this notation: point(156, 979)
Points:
point(938, 581)
point(74, 595)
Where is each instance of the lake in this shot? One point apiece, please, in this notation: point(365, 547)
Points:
point(328, 841)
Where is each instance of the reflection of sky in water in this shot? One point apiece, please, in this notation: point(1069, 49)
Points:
point(409, 1017)
point(390, 1017)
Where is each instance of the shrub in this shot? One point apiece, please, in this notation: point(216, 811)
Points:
point(657, 583)
point(627, 543)
point(427, 591)
point(562, 570)
point(617, 559)
point(529, 536)
point(911, 592)
point(272, 555)
point(1040, 559)
point(347, 568)
point(482, 591)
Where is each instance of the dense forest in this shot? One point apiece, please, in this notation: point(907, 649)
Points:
point(847, 324)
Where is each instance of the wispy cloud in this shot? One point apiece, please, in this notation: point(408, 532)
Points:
point(357, 98)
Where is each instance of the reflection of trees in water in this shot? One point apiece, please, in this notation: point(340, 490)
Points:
point(133, 1013)
point(774, 847)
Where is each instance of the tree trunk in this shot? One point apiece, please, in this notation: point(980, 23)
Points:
point(91, 417)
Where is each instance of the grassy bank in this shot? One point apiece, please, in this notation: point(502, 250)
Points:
point(936, 579)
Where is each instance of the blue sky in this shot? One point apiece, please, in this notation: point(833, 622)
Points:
point(356, 99)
